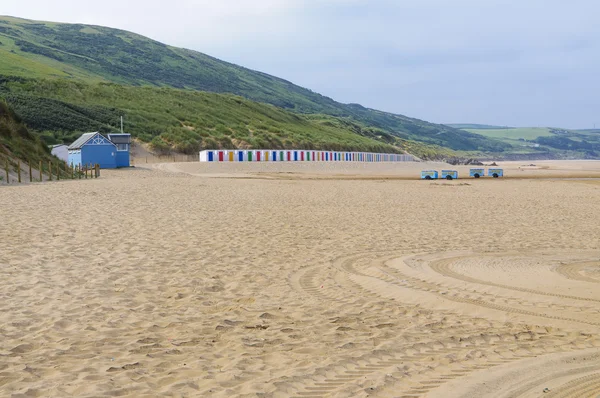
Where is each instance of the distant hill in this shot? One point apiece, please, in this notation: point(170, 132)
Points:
point(513, 133)
point(95, 54)
point(467, 126)
point(550, 141)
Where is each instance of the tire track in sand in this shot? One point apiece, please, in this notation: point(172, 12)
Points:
point(573, 271)
point(454, 294)
point(443, 267)
point(560, 375)
point(583, 387)
point(496, 349)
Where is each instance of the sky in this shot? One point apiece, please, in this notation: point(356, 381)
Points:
point(501, 62)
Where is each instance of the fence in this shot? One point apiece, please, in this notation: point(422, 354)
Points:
point(148, 159)
point(278, 155)
point(18, 172)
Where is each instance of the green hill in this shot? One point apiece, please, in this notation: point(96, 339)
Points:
point(184, 120)
point(96, 54)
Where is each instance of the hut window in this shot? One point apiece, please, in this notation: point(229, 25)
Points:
point(122, 147)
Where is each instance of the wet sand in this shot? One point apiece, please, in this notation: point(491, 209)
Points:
point(302, 280)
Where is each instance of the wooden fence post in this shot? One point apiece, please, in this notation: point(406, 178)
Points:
point(58, 172)
point(7, 175)
point(41, 175)
point(30, 172)
point(50, 170)
point(19, 171)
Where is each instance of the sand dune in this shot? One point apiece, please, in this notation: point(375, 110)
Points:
point(309, 281)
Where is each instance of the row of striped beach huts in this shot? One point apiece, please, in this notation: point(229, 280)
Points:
point(279, 155)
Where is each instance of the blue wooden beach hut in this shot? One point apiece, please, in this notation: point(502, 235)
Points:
point(94, 148)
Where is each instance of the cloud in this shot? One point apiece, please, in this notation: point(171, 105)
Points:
point(508, 62)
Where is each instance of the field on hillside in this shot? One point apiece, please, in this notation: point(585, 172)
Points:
point(592, 132)
point(302, 280)
point(514, 133)
point(472, 126)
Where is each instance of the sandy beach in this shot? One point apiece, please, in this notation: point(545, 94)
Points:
point(303, 280)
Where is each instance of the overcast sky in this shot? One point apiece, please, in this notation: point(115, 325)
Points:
point(506, 62)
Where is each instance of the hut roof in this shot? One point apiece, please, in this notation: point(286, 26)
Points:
point(81, 141)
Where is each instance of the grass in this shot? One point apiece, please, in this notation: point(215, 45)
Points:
point(181, 120)
point(15, 65)
point(591, 132)
point(17, 143)
point(526, 133)
point(471, 126)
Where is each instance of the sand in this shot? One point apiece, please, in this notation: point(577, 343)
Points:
point(302, 280)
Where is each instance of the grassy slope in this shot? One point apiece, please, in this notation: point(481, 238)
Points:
point(97, 53)
point(18, 143)
point(181, 119)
